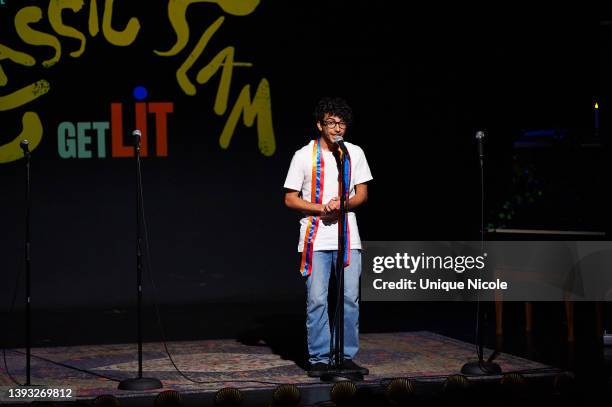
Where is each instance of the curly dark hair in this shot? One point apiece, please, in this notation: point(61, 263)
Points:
point(334, 107)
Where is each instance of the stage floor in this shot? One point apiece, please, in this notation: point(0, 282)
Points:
point(229, 363)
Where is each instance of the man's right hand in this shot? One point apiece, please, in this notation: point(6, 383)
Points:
point(329, 211)
point(332, 206)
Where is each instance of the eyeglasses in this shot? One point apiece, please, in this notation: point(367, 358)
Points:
point(332, 123)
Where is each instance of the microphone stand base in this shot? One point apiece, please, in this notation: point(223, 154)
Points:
point(481, 368)
point(140, 383)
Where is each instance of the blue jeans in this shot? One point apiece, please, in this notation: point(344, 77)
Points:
point(317, 321)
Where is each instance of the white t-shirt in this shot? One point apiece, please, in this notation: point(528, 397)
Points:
point(299, 178)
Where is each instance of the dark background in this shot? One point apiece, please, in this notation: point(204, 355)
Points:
point(421, 83)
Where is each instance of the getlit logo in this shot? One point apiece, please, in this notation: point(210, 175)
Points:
point(89, 139)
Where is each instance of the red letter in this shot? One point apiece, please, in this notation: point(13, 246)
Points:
point(161, 125)
point(118, 149)
point(141, 124)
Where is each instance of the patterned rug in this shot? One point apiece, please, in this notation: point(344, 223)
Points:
point(224, 363)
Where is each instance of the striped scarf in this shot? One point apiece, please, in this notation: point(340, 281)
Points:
point(316, 196)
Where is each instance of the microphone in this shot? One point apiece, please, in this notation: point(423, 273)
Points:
point(479, 136)
point(137, 135)
point(25, 146)
point(340, 141)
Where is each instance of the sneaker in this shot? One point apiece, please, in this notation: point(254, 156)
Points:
point(317, 369)
point(348, 364)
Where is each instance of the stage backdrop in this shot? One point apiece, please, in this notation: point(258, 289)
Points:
point(223, 92)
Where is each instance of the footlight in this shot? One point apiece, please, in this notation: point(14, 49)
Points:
point(513, 386)
point(228, 397)
point(399, 391)
point(286, 395)
point(564, 384)
point(168, 398)
point(106, 400)
point(342, 393)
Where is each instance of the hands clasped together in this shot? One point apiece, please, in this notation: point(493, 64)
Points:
point(329, 213)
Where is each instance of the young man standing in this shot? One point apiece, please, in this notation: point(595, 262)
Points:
point(312, 188)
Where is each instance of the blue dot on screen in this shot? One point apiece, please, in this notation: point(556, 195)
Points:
point(140, 93)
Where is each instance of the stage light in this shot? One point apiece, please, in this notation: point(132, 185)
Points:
point(106, 400)
point(456, 383)
point(342, 393)
point(513, 379)
point(228, 397)
point(286, 395)
point(168, 398)
point(564, 383)
point(399, 391)
point(513, 385)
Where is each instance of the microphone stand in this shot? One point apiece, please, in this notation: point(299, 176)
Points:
point(336, 373)
point(481, 367)
point(139, 383)
point(28, 335)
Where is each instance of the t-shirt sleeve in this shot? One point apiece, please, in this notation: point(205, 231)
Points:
point(362, 169)
point(295, 176)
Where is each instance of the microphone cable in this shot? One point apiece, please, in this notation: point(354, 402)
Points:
point(160, 324)
point(9, 313)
